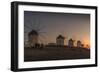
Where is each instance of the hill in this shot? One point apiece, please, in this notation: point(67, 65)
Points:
point(55, 53)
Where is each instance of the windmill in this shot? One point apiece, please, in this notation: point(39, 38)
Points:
point(33, 34)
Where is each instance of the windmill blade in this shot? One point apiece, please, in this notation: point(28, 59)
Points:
point(74, 38)
point(42, 35)
point(34, 24)
point(28, 27)
point(27, 20)
point(40, 28)
point(37, 25)
point(30, 23)
point(40, 40)
point(43, 38)
point(26, 31)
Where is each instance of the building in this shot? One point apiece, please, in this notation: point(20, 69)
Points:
point(79, 44)
point(60, 40)
point(51, 45)
point(33, 38)
point(71, 42)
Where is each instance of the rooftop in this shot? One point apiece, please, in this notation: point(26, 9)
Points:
point(33, 32)
point(60, 36)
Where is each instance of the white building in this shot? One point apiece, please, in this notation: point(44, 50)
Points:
point(60, 40)
point(32, 38)
point(79, 44)
point(71, 43)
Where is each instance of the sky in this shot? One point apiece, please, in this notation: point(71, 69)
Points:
point(50, 25)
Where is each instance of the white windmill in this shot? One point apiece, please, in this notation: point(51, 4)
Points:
point(34, 34)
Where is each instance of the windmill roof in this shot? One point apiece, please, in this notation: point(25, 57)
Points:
point(79, 41)
point(60, 36)
point(33, 32)
point(71, 39)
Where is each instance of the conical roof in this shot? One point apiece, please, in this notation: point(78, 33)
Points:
point(71, 39)
point(33, 32)
point(78, 41)
point(60, 36)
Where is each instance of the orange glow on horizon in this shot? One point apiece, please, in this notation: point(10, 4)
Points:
point(86, 43)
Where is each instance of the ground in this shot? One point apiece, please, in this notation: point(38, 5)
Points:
point(55, 53)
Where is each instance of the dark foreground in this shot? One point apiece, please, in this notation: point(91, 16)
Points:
point(55, 53)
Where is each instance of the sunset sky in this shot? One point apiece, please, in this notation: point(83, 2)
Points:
point(75, 26)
